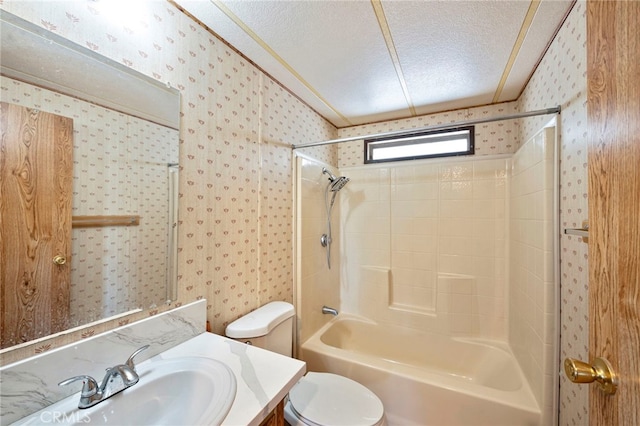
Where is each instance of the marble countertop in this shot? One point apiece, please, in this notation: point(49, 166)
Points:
point(263, 378)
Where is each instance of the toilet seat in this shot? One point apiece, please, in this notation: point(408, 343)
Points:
point(329, 399)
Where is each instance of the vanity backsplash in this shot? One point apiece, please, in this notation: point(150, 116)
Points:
point(32, 384)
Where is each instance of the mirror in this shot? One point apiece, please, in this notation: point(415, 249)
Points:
point(123, 232)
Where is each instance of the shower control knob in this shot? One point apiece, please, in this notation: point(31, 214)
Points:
point(599, 370)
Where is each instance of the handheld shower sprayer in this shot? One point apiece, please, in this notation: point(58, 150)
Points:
point(336, 183)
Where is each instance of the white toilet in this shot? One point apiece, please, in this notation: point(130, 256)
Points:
point(319, 399)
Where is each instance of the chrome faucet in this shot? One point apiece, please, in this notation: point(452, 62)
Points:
point(328, 310)
point(93, 394)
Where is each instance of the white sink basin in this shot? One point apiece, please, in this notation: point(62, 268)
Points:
point(181, 391)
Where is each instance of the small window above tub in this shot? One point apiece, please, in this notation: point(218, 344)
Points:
point(440, 143)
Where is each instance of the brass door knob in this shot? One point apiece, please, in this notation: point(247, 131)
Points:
point(59, 260)
point(599, 370)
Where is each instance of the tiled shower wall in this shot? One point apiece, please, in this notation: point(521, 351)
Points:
point(424, 244)
point(532, 281)
point(451, 204)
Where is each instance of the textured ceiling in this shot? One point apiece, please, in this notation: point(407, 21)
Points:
point(364, 61)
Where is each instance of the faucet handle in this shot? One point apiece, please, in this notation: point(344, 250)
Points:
point(89, 385)
point(130, 363)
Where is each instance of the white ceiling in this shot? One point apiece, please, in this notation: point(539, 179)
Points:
point(363, 61)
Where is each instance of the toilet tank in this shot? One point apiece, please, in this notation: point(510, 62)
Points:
point(269, 327)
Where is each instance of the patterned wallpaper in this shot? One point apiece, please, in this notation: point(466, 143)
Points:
point(235, 217)
point(561, 80)
point(120, 168)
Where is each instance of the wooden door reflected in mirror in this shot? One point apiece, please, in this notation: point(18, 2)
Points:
point(125, 155)
point(36, 161)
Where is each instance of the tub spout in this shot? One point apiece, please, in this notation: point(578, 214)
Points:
point(328, 310)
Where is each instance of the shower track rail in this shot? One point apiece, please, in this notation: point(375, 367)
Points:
point(408, 132)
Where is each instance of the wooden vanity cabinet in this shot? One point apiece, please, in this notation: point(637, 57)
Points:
point(275, 417)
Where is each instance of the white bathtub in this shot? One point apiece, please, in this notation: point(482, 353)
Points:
point(425, 378)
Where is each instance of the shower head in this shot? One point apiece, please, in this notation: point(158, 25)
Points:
point(337, 183)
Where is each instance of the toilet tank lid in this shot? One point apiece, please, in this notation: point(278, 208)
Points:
point(261, 321)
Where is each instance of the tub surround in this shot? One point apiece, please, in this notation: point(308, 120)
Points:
point(263, 378)
point(450, 247)
point(532, 298)
point(463, 247)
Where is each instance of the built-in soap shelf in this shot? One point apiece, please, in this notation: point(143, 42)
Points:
point(580, 232)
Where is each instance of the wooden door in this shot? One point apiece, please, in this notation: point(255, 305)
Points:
point(35, 223)
point(613, 105)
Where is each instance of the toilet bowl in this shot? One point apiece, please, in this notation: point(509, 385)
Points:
point(319, 399)
point(329, 399)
